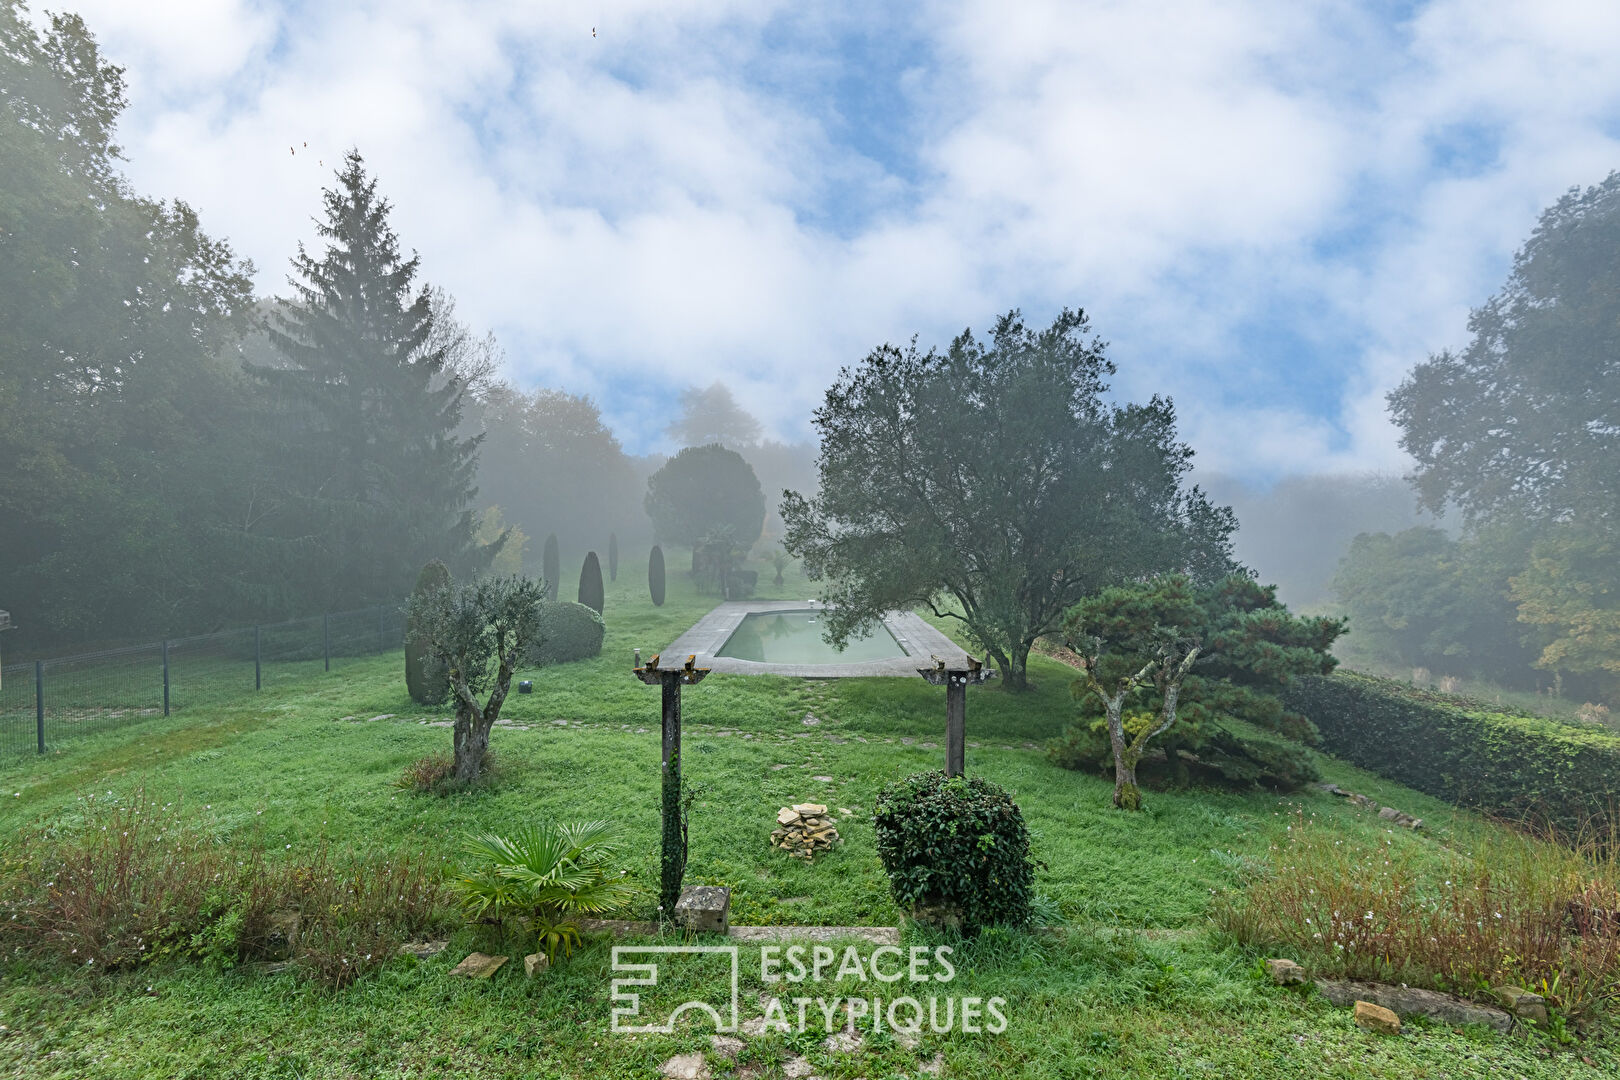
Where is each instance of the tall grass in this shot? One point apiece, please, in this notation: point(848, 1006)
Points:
point(139, 881)
point(1513, 908)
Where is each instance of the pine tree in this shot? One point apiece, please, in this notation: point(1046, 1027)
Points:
point(591, 593)
point(378, 482)
point(655, 576)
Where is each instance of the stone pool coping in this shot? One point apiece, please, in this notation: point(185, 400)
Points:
point(709, 634)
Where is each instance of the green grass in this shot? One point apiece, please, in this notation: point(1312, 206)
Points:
point(1137, 984)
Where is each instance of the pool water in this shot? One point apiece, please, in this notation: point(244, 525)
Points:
point(794, 637)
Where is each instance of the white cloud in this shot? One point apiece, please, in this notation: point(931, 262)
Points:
point(649, 203)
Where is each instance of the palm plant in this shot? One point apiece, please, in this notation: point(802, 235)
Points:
point(780, 560)
point(549, 874)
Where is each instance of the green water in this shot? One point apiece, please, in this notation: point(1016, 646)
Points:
point(794, 637)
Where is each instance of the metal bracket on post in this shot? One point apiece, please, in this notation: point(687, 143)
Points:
point(258, 659)
point(165, 678)
point(956, 681)
point(673, 858)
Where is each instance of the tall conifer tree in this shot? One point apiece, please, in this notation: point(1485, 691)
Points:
point(381, 482)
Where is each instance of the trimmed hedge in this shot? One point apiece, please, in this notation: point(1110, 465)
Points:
point(590, 583)
point(655, 575)
point(1512, 764)
point(567, 632)
point(427, 679)
point(956, 850)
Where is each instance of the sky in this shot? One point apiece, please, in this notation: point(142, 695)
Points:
point(1270, 210)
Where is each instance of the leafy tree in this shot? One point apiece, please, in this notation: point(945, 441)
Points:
point(1191, 654)
point(1571, 588)
point(591, 593)
point(655, 575)
point(426, 678)
point(993, 484)
point(712, 415)
point(385, 482)
point(479, 632)
point(551, 566)
point(118, 419)
point(508, 541)
point(779, 562)
point(550, 461)
point(1527, 417)
point(704, 488)
point(613, 556)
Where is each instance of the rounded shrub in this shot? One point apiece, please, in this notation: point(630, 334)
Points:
point(655, 575)
point(613, 556)
point(956, 851)
point(566, 632)
point(427, 680)
point(591, 593)
point(551, 566)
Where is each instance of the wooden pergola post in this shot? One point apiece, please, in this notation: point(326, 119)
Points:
point(672, 864)
point(956, 681)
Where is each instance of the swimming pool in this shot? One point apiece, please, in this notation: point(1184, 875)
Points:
point(795, 637)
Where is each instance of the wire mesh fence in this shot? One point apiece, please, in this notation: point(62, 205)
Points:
point(46, 702)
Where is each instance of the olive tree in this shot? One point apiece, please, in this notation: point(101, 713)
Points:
point(992, 484)
point(479, 632)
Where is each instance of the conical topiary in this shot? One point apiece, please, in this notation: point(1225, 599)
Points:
point(655, 575)
point(613, 556)
point(590, 583)
point(551, 566)
point(426, 677)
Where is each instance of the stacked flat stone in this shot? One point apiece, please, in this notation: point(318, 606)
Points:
point(803, 829)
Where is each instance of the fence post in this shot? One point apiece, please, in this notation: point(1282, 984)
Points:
point(165, 678)
point(258, 659)
point(326, 639)
point(39, 703)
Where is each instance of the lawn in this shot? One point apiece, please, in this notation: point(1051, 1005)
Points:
point(1136, 983)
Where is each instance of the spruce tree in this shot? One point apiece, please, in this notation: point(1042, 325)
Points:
point(378, 481)
point(591, 593)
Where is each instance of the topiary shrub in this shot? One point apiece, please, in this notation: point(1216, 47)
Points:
point(655, 575)
point(426, 678)
point(613, 556)
point(591, 593)
point(551, 567)
point(568, 632)
point(956, 851)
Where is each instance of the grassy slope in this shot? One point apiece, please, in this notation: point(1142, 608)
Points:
point(1104, 1000)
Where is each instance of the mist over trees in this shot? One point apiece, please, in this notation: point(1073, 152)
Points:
point(1520, 432)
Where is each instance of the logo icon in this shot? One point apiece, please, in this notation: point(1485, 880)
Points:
point(627, 1003)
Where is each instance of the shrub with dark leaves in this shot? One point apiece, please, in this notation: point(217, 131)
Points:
point(956, 851)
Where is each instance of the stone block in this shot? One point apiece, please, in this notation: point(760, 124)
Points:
point(1525, 1004)
point(1377, 1018)
point(1285, 972)
point(478, 966)
point(704, 909)
point(535, 963)
point(1415, 1001)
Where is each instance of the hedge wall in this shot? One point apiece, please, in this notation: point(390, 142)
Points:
point(1511, 764)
